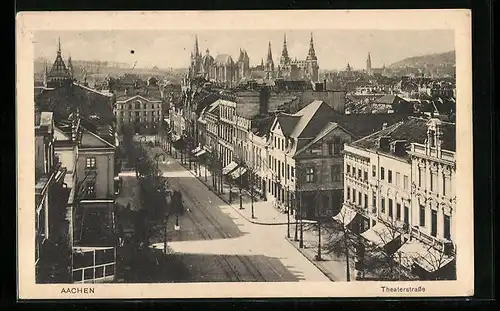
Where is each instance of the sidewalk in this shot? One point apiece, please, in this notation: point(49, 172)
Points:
point(331, 264)
point(264, 211)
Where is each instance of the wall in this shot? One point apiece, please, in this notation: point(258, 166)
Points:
point(104, 179)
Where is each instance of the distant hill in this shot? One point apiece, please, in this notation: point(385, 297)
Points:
point(429, 60)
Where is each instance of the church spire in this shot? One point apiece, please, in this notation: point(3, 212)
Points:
point(284, 53)
point(59, 46)
point(269, 53)
point(312, 52)
point(196, 49)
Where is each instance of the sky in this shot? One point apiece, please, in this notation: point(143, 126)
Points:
point(171, 49)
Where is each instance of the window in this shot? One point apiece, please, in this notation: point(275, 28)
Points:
point(336, 146)
point(389, 176)
point(348, 193)
point(274, 167)
point(90, 190)
point(275, 142)
point(348, 169)
point(374, 201)
point(270, 162)
point(406, 220)
point(446, 227)
point(433, 180)
point(137, 113)
point(90, 162)
point(293, 171)
point(422, 216)
point(365, 175)
point(288, 171)
point(374, 171)
point(354, 195)
point(390, 208)
point(283, 169)
point(398, 211)
point(420, 177)
point(310, 174)
point(359, 173)
point(366, 201)
point(405, 182)
point(336, 173)
point(382, 205)
point(398, 179)
point(330, 148)
point(433, 223)
point(278, 169)
point(446, 185)
point(359, 197)
point(382, 173)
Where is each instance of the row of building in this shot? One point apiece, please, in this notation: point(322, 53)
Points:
point(75, 181)
point(396, 166)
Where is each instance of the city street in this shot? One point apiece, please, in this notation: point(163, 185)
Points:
point(215, 243)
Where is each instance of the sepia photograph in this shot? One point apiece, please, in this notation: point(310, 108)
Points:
point(240, 157)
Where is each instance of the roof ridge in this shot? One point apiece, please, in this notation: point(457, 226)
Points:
point(394, 126)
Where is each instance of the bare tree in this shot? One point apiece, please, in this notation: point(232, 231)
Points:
point(381, 258)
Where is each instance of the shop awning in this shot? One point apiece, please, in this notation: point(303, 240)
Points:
point(229, 168)
point(424, 255)
point(196, 150)
point(238, 172)
point(380, 234)
point(345, 216)
point(200, 153)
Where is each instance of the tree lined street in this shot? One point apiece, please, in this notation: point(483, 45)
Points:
point(215, 243)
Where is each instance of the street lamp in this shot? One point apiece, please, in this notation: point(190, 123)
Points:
point(288, 211)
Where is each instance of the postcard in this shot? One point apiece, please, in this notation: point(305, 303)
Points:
point(244, 154)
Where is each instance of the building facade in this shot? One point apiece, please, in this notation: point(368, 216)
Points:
point(398, 190)
point(143, 114)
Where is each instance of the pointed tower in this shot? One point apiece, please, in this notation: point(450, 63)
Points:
point(285, 59)
point(269, 63)
point(312, 62)
point(59, 74)
point(369, 65)
point(195, 67)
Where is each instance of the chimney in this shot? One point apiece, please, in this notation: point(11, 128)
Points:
point(398, 147)
point(264, 101)
point(384, 143)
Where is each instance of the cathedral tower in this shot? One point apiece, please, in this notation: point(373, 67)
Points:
point(195, 68)
point(312, 62)
point(269, 63)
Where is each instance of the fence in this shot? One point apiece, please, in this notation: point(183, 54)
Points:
point(94, 264)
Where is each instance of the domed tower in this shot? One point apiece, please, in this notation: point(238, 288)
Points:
point(312, 62)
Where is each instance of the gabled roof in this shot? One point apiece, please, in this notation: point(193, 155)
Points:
point(287, 122)
point(127, 98)
point(330, 126)
point(389, 99)
point(92, 140)
point(313, 118)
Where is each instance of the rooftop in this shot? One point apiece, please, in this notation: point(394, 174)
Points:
point(412, 130)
